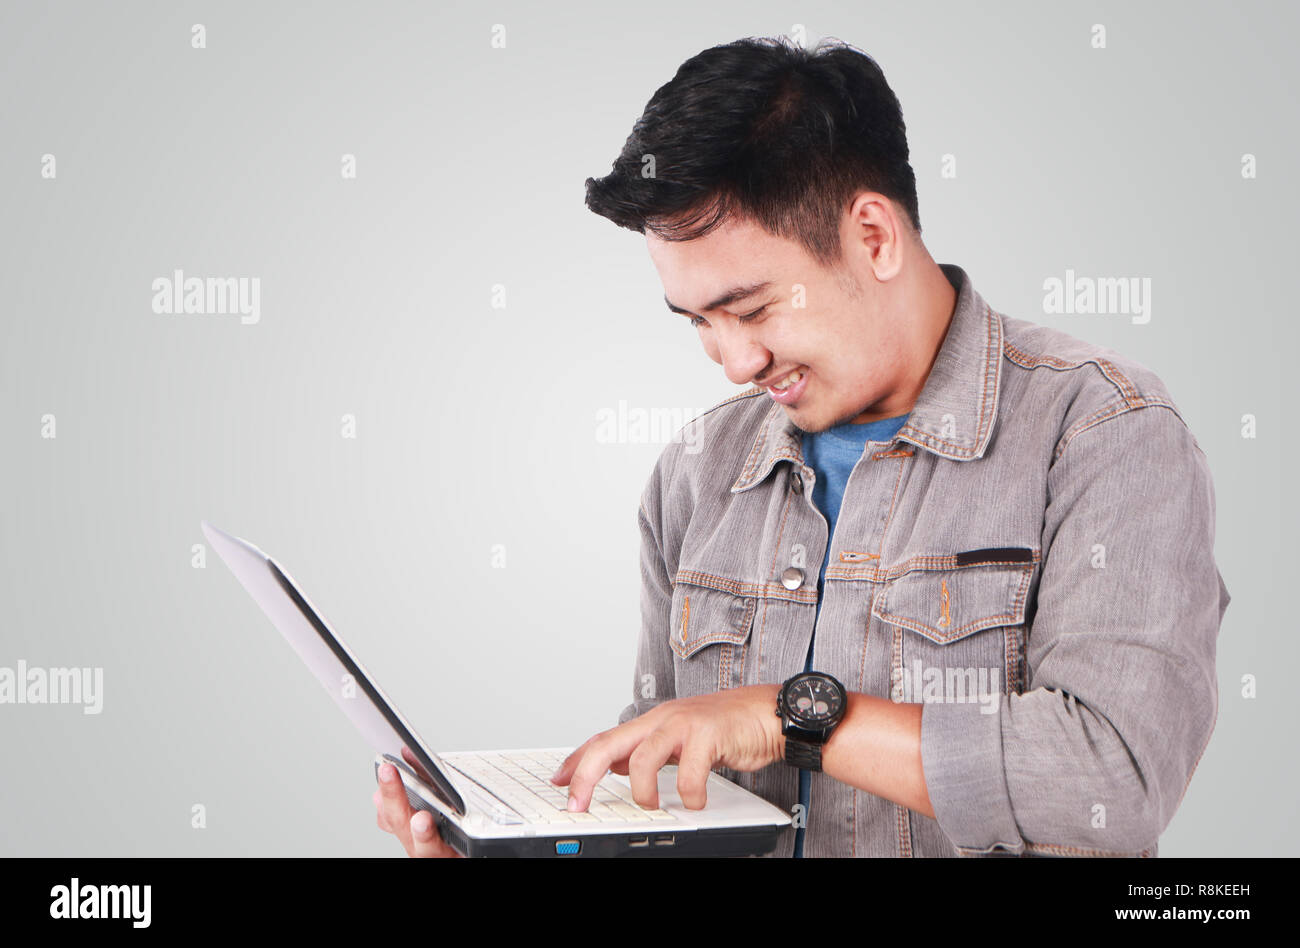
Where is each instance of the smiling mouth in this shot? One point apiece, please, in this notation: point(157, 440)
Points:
point(790, 389)
point(788, 381)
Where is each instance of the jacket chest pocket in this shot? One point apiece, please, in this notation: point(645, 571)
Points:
point(709, 638)
point(959, 625)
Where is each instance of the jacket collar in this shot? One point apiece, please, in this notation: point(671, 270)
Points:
point(953, 416)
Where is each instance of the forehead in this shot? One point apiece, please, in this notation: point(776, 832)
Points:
point(737, 253)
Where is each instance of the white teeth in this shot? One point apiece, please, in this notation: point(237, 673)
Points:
point(789, 380)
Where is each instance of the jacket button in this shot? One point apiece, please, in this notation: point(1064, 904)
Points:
point(796, 482)
point(792, 578)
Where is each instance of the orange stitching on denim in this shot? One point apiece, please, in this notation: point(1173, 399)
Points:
point(746, 473)
point(992, 328)
point(862, 687)
point(852, 556)
point(686, 616)
point(730, 635)
point(992, 356)
point(1056, 849)
point(1008, 651)
point(745, 590)
point(1024, 591)
point(992, 361)
point(896, 453)
point(749, 473)
point(783, 456)
point(896, 657)
point(751, 393)
point(932, 440)
point(893, 506)
point(945, 619)
point(922, 563)
point(1015, 618)
point(990, 366)
point(1122, 382)
point(713, 638)
point(900, 828)
point(975, 625)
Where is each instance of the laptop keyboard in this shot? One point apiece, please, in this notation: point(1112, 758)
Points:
point(522, 780)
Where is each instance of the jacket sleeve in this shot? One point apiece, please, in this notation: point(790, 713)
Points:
point(653, 678)
point(1121, 692)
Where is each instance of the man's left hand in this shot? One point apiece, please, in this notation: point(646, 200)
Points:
point(737, 728)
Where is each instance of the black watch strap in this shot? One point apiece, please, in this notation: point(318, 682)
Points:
point(803, 755)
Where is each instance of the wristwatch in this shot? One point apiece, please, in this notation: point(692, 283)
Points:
point(810, 705)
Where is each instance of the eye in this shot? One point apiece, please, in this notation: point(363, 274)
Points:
point(698, 321)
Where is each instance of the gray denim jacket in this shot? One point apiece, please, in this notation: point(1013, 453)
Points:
point(1031, 558)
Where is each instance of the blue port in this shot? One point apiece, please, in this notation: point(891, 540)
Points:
point(567, 847)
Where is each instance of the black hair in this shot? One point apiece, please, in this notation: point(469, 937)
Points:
point(763, 129)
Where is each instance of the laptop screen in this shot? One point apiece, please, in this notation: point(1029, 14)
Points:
point(369, 709)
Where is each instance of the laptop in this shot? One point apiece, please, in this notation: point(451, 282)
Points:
point(501, 803)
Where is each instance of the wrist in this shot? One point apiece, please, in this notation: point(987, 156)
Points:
point(772, 723)
point(810, 706)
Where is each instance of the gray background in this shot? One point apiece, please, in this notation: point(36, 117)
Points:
point(477, 426)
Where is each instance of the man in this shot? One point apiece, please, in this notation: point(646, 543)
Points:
point(976, 552)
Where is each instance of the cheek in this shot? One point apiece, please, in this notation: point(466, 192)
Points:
point(711, 348)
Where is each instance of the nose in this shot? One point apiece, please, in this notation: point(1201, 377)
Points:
point(743, 357)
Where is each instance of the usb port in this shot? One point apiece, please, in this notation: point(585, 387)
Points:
point(663, 840)
point(567, 847)
point(636, 842)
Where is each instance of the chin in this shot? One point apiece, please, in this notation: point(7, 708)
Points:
point(805, 422)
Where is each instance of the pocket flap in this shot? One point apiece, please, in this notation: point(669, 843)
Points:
point(704, 616)
point(945, 605)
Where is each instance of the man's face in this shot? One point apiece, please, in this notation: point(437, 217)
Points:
point(764, 309)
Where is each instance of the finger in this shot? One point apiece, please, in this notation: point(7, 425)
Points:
point(565, 772)
point(425, 838)
point(379, 811)
point(646, 762)
point(609, 747)
point(397, 810)
point(693, 774)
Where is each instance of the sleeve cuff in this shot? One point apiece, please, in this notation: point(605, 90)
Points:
point(961, 753)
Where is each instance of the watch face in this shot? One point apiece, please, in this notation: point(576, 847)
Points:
point(814, 700)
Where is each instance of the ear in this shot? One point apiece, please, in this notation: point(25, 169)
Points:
point(873, 236)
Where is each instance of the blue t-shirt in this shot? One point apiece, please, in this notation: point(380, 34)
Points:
point(833, 453)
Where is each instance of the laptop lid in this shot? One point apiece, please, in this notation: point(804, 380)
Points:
point(352, 689)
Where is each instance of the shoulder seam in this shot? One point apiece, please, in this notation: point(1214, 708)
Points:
point(1123, 384)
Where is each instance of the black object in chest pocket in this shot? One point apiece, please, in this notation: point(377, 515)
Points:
point(964, 611)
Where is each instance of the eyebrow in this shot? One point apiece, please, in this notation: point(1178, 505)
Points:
point(731, 296)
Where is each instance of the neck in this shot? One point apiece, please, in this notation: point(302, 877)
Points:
point(925, 301)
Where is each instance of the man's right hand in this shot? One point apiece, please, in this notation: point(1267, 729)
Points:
point(413, 828)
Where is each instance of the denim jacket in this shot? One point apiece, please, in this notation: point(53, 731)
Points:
point(1030, 558)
